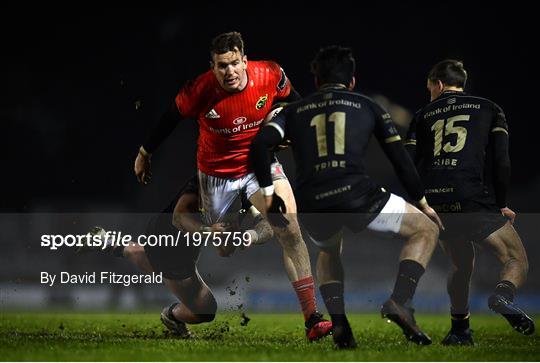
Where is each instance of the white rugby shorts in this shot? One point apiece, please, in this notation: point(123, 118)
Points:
point(217, 195)
point(390, 217)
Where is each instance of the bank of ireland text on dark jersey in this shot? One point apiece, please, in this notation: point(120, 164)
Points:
point(452, 136)
point(330, 131)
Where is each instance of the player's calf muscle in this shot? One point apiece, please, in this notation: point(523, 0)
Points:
point(506, 245)
point(421, 234)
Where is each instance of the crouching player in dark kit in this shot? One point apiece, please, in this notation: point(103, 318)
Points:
point(178, 263)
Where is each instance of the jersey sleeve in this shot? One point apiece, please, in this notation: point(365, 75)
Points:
point(278, 122)
point(501, 157)
point(190, 98)
point(410, 140)
point(283, 85)
point(385, 129)
point(499, 123)
point(388, 136)
point(260, 154)
point(165, 126)
point(411, 132)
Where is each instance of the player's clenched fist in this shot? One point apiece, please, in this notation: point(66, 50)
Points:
point(142, 166)
point(509, 214)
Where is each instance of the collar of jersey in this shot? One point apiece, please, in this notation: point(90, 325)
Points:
point(451, 93)
point(332, 85)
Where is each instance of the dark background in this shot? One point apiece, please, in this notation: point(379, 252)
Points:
point(83, 86)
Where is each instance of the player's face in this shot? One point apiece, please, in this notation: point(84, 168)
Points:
point(435, 88)
point(230, 70)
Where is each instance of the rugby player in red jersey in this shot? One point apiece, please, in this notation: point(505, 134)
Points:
point(230, 102)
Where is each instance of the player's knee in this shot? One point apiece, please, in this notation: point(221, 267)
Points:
point(429, 231)
point(134, 252)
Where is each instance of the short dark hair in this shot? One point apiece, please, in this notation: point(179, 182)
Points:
point(334, 64)
point(450, 72)
point(227, 42)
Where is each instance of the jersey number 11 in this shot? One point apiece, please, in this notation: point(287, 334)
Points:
point(319, 121)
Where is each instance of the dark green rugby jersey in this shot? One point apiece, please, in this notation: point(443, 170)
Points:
point(452, 135)
point(330, 131)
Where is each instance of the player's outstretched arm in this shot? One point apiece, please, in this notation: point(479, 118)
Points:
point(160, 132)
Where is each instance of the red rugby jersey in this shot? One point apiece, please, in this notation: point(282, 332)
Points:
point(228, 122)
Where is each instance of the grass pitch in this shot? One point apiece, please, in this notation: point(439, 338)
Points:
point(267, 337)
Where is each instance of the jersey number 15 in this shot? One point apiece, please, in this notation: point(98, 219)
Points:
point(461, 132)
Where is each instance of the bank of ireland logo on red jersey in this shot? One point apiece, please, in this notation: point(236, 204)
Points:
point(239, 120)
point(261, 102)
